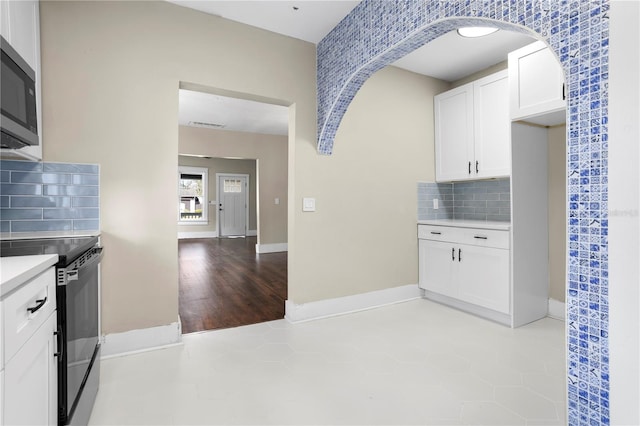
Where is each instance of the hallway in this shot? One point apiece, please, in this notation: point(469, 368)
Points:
point(223, 283)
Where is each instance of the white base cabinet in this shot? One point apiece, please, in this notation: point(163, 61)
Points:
point(484, 277)
point(29, 379)
point(468, 268)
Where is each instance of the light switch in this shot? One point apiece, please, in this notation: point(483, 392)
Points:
point(435, 204)
point(308, 204)
point(277, 201)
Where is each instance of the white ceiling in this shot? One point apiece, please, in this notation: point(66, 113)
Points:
point(452, 57)
point(312, 20)
point(449, 57)
point(200, 109)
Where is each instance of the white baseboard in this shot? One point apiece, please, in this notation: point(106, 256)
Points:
point(252, 233)
point(271, 248)
point(203, 234)
point(349, 304)
point(142, 340)
point(557, 309)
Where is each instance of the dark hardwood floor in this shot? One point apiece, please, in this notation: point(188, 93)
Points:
point(224, 283)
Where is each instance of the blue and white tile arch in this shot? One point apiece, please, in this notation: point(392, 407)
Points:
point(378, 32)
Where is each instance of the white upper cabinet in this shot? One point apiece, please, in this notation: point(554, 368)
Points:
point(536, 85)
point(21, 28)
point(492, 126)
point(454, 133)
point(472, 130)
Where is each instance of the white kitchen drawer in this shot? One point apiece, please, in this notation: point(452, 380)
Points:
point(485, 238)
point(26, 309)
point(471, 236)
point(438, 233)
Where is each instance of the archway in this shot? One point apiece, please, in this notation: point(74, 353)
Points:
point(377, 33)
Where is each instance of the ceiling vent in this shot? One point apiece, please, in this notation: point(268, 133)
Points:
point(208, 125)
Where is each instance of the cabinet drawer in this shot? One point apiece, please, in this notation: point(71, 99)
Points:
point(485, 238)
point(26, 309)
point(438, 233)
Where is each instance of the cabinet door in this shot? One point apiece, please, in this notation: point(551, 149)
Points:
point(536, 82)
point(454, 133)
point(30, 380)
point(23, 29)
point(4, 19)
point(437, 267)
point(492, 126)
point(484, 277)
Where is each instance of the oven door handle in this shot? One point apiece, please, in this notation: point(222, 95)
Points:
point(60, 343)
point(74, 274)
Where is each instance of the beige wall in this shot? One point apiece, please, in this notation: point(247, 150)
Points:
point(270, 152)
point(223, 165)
point(111, 73)
point(363, 235)
point(557, 212)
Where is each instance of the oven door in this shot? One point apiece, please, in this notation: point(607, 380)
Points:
point(78, 297)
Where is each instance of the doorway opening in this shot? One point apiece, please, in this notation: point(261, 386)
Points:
point(233, 259)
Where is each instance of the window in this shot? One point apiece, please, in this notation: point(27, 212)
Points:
point(192, 195)
point(232, 185)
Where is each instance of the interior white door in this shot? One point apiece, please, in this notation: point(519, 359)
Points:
point(232, 205)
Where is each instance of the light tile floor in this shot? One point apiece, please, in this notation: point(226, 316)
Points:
point(410, 363)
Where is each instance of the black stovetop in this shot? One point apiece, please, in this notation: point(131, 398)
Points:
point(68, 248)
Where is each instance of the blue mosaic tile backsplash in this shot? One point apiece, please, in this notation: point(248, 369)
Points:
point(476, 200)
point(45, 197)
point(378, 32)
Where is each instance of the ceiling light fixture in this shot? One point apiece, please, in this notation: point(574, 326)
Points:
point(471, 32)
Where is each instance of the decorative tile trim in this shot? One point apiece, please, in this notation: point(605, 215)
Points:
point(44, 197)
point(378, 32)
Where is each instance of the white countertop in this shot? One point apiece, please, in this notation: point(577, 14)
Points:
point(478, 224)
point(16, 270)
point(46, 234)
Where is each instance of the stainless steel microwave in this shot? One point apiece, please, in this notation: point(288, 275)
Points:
point(19, 120)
